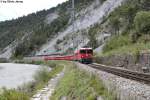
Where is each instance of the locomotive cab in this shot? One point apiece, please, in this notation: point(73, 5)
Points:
point(85, 55)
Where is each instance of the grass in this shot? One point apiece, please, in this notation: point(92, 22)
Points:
point(128, 49)
point(12, 94)
point(42, 77)
point(78, 85)
point(29, 62)
point(116, 42)
point(122, 44)
point(28, 90)
point(3, 60)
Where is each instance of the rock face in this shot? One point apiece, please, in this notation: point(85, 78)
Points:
point(139, 62)
point(51, 17)
point(87, 17)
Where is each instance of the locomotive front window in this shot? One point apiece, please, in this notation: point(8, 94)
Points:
point(90, 51)
point(86, 51)
point(82, 51)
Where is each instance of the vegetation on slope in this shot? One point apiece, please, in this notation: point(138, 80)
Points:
point(35, 28)
point(130, 20)
point(116, 42)
point(13, 95)
point(92, 34)
point(41, 34)
point(131, 25)
point(11, 30)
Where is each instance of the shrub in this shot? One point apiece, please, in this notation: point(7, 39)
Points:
point(3, 60)
point(144, 38)
point(115, 24)
point(128, 11)
point(59, 41)
point(116, 42)
point(41, 77)
point(145, 4)
point(142, 22)
point(13, 95)
point(92, 35)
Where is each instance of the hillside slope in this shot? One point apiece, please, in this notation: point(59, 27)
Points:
point(28, 33)
point(51, 31)
point(86, 18)
point(129, 44)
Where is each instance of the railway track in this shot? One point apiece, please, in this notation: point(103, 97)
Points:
point(137, 76)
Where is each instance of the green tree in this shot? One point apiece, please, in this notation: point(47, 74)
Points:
point(115, 24)
point(128, 11)
point(142, 22)
point(145, 4)
point(92, 36)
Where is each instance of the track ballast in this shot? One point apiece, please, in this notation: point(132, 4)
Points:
point(141, 77)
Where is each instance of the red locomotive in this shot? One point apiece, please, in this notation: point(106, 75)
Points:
point(83, 55)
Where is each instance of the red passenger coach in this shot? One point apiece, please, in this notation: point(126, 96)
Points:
point(69, 57)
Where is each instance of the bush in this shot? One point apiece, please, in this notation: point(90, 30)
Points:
point(92, 35)
point(41, 77)
point(116, 42)
point(115, 24)
point(145, 4)
point(128, 11)
point(142, 22)
point(144, 38)
point(4, 60)
point(59, 41)
point(13, 95)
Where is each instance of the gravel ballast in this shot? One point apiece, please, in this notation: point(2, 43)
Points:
point(125, 89)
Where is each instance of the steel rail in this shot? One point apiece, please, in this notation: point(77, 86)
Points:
point(141, 77)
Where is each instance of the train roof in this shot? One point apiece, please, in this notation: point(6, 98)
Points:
point(84, 48)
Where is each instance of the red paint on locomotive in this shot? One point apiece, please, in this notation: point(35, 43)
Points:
point(84, 55)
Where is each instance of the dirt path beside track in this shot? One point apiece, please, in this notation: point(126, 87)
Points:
point(46, 92)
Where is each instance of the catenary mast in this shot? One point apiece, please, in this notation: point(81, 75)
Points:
point(73, 25)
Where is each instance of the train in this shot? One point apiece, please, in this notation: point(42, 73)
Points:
point(82, 55)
